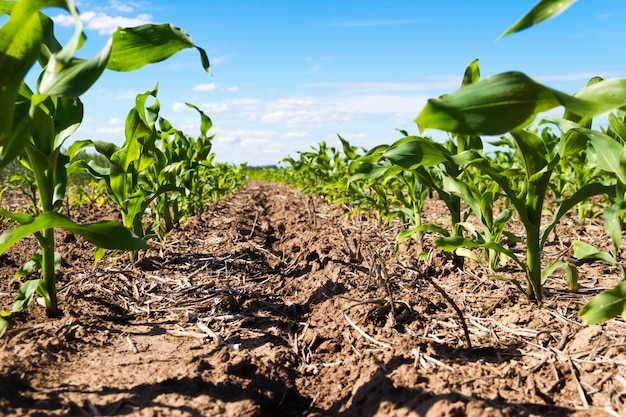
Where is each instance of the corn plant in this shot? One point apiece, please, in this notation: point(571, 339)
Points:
point(34, 124)
point(189, 163)
point(423, 167)
point(127, 167)
point(507, 103)
point(159, 175)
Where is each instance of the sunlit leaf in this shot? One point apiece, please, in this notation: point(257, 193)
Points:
point(605, 306)
point(572, 276)
point(472, 74)
point(135, 47)
point(607, 151)
point(73, 77)
point(415, 151)
point(105, 234)
point(453, 242)
point(543, 10)
point(25, 295)
point(510, 101)
point(582, 250)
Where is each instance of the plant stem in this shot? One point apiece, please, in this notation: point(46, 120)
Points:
point(533, 261)
point(534, 248)
point(44, 179)
point(455, 216)
point(48, 273)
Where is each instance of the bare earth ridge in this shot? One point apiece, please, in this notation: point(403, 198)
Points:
point(277, 304)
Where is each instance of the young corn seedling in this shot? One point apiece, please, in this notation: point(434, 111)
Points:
point(34, 125)
point(422, 160)
point(426, 167)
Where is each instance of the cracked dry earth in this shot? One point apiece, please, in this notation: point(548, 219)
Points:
point(276, 304)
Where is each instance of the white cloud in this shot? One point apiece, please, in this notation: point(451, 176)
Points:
point(214, 108)
point(180, 107)
point(124, 7)
point(114, 121)
point(290, 135)
point(116, 130)
point(205, 87)
point(102, 22)
point(254, 141)
point(233, 89)
point(577, 76)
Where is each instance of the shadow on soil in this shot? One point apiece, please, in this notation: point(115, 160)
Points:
point(379, 396)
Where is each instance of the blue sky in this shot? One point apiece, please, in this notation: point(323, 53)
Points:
point(289, 74)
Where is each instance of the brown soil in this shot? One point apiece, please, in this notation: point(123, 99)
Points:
point(277, 304)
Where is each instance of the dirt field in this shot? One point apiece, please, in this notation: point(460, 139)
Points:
point(276, 304)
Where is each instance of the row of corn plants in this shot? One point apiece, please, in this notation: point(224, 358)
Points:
point(35, 124)
point(549, 166)
point(159, 175)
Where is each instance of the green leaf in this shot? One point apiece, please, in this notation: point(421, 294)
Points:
point(20, 42)
point(466, 253)
point(572, 276)
point(105, 234)
point(25, 295)
point(4, 324)
point(605, 306)
point(414, 151)
point(453, 242)
point(472, 74)
point(132, 48)
point(99, 254)
point(72, 77)
point(582, 194)
point(34, 264)
point(543, 10)
point(511, 100)
point(582, 250)
point(17, 217)
point(205, 121)
point(550, 268)
point(607, 151)
point(493, 106)
point(617, 127)
point(613, 224)
point(533, 151)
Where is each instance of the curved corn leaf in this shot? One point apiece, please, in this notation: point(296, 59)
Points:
point(511, 100)
point(572, 276)
point(605, 306)
point(617, 127)
point(34, 264)
point(135, 47)
point(608, 152)
point(105, 234)
point(543, 10)
point(25, 294)
point(582, 194)
point(613, 216)
point(582, 250)
point(205, 121)
point(21, 218)
point(20, 42)
point(454, 242)
point(415, 151)
point(73, 77)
